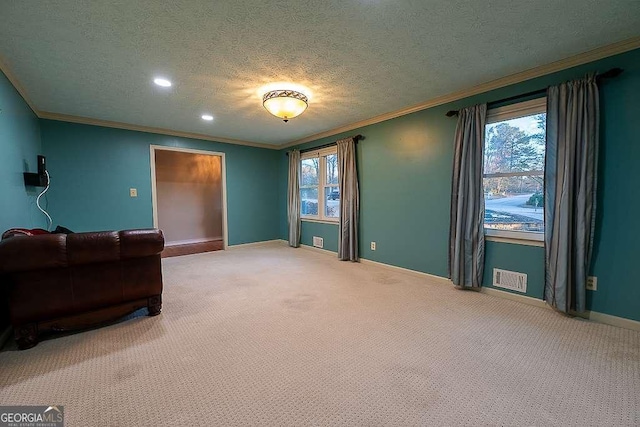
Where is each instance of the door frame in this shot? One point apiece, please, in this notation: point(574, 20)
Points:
point(223, 172)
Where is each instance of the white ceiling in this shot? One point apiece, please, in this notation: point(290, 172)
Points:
point(358, 58)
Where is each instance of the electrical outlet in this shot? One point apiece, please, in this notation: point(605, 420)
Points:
point(373, 246)
point(592, 283)
point(133, 192)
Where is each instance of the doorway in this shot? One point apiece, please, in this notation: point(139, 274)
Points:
point(189, 199)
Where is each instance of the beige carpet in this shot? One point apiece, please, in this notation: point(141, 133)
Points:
point(269, 335)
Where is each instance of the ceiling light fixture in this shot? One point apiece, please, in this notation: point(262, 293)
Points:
point(207, 117)
point(162, 82)
point(285, 104)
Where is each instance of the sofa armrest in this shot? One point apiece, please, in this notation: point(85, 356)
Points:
point(140, 243)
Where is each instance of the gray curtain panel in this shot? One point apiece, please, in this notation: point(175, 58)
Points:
point(293, 198)
point(466, 232)
point(349, 200)
point(570, 190)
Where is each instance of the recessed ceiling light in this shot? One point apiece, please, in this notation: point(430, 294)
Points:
point(207, 117)
point(162, 82)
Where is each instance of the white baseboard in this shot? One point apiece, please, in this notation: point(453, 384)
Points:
point(319, 250)
point(515, 297)
point(595, 316)
point(260, 243)
point(608, 319)
point(444, 280)
point(4, 336)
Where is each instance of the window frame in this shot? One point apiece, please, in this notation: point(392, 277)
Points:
point(499, 114)
point(322, 184)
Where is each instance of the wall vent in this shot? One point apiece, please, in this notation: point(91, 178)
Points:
point(318, 242)
point(510, 280)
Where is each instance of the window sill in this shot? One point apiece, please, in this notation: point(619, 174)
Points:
point(320, 221)
point(514, 241)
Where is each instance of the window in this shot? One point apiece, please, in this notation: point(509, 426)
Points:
point(319, 192)
point(514, 170)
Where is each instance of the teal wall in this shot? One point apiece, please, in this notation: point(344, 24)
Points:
point(93, 167)
point(405, 185)
point(329, 232)
point(526, 259)
point(19, 146)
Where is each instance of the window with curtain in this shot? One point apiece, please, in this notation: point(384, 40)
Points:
point(319, 192)
point(514, 170)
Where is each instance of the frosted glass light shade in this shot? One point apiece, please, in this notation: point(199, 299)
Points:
point(285, 104)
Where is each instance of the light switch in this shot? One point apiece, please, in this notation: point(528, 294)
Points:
point(133, 192)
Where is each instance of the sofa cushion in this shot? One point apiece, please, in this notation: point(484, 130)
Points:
point(21, 253)
point(86, 248)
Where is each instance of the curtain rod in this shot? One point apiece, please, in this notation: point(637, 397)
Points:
point(320, 147)
point(614, 72)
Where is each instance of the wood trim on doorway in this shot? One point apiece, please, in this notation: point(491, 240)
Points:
point(154, 196)
point(192, 248)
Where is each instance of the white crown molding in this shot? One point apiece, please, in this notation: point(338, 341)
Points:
point(161, 131)
point(119, 125)
point(16, 84)
point(572, 61)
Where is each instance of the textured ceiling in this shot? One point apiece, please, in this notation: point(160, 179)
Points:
point(358, 58)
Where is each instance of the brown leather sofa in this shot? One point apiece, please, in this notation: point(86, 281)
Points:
point(60, 282)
